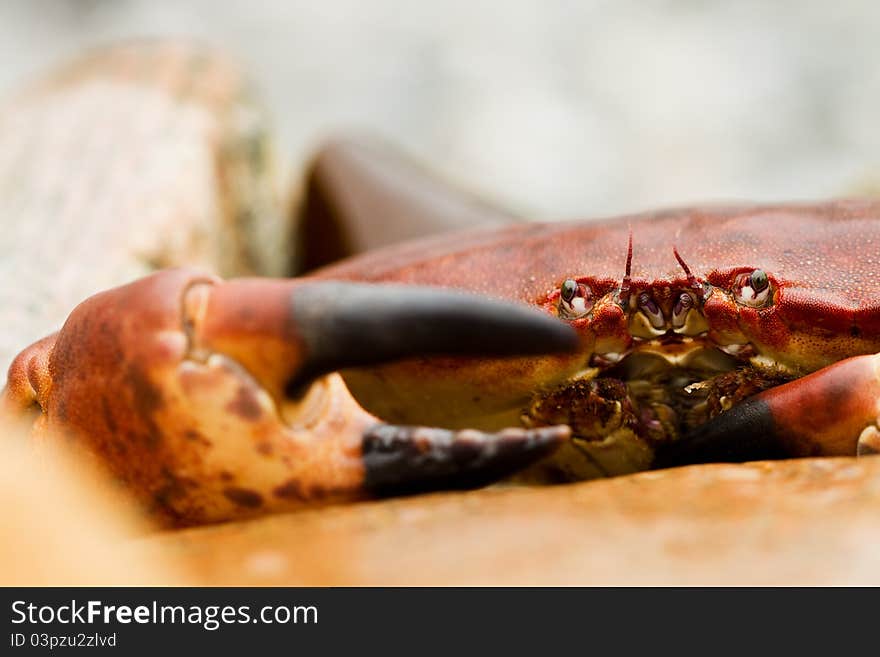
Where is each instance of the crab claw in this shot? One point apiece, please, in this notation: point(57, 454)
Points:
point(414, 459)
point(289, 333)
point(208, 398)
point(832, 412)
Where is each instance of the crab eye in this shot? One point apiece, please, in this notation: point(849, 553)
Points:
point(575, 299)
point(759, 280)
point(568, 290)
point(753, 289)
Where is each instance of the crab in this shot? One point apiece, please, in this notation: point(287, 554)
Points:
point(532, 352)
point(705, 334)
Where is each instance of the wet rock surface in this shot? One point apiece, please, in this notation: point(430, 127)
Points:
point(799, 522)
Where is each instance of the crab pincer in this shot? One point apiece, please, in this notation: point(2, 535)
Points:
point(834, 411)
point(214, 399)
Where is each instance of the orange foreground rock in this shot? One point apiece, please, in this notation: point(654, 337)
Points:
point(803, 522)
point(64, 524)
point(799, 522)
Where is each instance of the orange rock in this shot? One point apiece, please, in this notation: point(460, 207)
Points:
point(799, 522)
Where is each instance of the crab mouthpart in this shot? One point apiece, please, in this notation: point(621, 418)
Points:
point(621, 413)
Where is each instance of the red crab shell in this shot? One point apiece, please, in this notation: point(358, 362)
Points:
point(822, 261)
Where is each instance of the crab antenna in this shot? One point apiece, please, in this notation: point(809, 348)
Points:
point(624, 286)
point(692, 280)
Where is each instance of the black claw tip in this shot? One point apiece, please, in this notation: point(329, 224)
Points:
point(744, 433)
point(354, 324)
point(402, 460)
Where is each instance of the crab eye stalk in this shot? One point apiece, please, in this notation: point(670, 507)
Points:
point(753, 290)
point(575, 299)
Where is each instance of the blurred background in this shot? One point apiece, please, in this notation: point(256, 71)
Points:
point(560, 109)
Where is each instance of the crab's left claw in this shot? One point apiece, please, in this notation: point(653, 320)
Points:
point(832, 412)
point(208, 398)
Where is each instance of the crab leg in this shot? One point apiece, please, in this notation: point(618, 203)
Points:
point(363, 194)
point(832, 412)
point(210, 400)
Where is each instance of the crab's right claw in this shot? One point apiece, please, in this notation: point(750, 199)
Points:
point(330, 326)
point(289, 333)
point(209, 400)
point(416, 459)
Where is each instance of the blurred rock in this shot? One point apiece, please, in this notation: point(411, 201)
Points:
point(64, 524)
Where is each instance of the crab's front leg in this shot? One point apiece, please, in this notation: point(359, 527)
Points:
point(834, 411)
point(213, 400)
